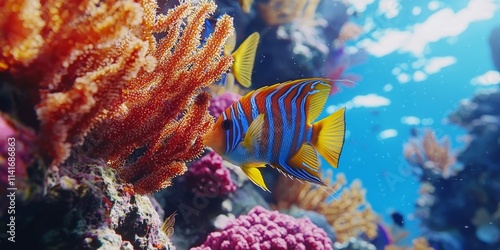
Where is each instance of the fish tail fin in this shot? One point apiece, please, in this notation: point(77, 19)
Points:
point(244, 58)
point(328, 136)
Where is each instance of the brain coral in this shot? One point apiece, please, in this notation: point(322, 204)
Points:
point(263, 229)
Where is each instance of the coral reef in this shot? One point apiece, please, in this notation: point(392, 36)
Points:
point(219, 103)
point(418, 244)
point(102, 71)
point(203, 212)
point(349, 215)
point(16, 153)
point(208, 176)
point(354, 244)
point(431, 156)
point(488, 225)
point(86, 207)
point(299, 43)
point(464, 221)
point(263, 229)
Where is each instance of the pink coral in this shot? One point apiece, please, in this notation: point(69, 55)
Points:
point(22, 142)
point(263, 229)
point(219, 103)
point(208, 176)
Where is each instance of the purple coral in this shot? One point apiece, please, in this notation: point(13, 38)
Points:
point(208, 177)
point(22, 139)
point(263, 229)
point(219, 103)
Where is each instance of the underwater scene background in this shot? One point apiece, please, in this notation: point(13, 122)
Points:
point(111, 115)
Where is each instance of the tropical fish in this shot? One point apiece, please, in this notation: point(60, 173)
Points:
point(244, 57)
point(274, 126)
point(398, 219)
point(246, 5)
point(168, 225)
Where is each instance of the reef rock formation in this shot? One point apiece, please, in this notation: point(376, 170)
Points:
point(466, 219)
point(86, 207)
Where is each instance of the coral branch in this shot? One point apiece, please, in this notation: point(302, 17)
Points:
point(430, 154)
point(105, 86)
point(349, 215)
point(418, 244)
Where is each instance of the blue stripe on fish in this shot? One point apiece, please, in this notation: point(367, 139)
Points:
point(228, 149)
point(255, 108)
point(242, 117)
point(288, 125)
point(294, 111)
point(236, 129)
point(270, 119)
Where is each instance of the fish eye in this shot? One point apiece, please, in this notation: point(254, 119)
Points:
point(226, 124)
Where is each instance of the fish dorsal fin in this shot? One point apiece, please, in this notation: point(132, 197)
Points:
point(254, 133)
point(253, 173)
point(244, 58)
point(307, 159)
point(320, 89)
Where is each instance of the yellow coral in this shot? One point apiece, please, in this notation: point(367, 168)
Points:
point(418, 244)
point(106, 86)
point(349, 216)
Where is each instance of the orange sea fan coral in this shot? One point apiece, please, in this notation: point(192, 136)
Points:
point(349, 215)
point(429, 153)
point(106, 86)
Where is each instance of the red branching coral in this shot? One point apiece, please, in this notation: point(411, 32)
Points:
point(106, 86)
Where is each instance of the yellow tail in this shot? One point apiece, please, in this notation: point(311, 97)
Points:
point(328, 136)
point(244, 58)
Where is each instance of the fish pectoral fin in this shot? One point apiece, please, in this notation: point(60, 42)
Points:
point(244, 58)
point(317, 100)
point(253, 173)
point(306, 161)
point(254, 133)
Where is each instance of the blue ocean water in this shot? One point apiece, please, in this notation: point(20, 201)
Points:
point(397, 92)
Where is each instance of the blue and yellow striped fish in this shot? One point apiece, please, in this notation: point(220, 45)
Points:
point(273, 126)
